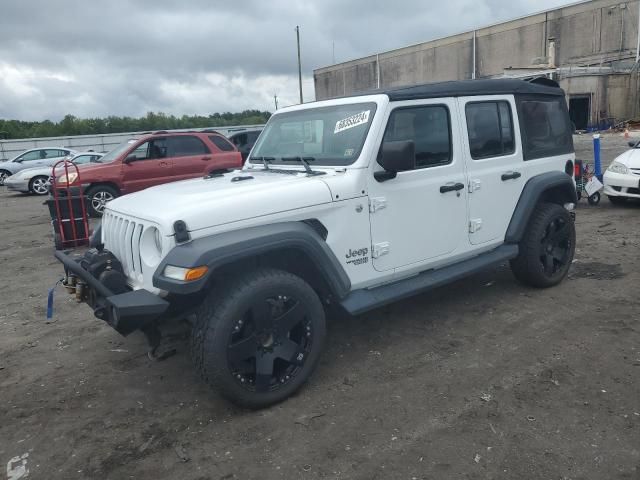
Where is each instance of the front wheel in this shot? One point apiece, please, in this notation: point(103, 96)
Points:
point(98, 197)
point(39, 185)
point(3, 175)
point(258, 339)
point(547, 248)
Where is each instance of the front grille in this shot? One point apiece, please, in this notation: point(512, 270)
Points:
point(633, 191)
point(122, 238)
point(635, 171)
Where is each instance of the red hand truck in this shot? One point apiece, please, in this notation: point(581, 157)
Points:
point(67, 207)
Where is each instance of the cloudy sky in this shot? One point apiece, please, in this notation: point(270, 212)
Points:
point(128, 57)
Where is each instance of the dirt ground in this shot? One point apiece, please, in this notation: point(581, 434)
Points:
point(481, 379)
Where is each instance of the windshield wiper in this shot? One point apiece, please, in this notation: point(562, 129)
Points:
point(304, 161)
point(265, 161)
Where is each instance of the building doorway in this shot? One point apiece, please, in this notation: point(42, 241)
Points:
point(579, 109)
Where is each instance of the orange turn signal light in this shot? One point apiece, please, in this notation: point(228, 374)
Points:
point(195, 273)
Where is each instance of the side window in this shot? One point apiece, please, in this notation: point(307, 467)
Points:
point(490, 129)
point(185, 146)
point(252, 137)
point(31, 156)
point(240, 140)
point(221, 143)
point(545, 126)
point(430, 129)
point(54, 153)
point(151, 150)
point(81, 159)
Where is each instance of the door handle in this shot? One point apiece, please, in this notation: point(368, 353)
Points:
point(205, 159)
point(451, 187)
point(510, 176)
point(163, 164)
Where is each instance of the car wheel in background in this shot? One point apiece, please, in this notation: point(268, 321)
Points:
point(594, 199)
point(98, 197)
point(617, 200)
point(4, 174)
point(39, 185)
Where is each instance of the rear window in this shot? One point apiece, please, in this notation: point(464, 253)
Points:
point(221, 143)
point(545, 127)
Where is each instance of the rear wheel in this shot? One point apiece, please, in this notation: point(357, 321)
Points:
point(547, 248)
point(594, 199)
point(259, 339)
point(98, 197)
point(39, 185)
point(617, 200)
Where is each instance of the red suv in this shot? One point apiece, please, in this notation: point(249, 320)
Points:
point(150, 160)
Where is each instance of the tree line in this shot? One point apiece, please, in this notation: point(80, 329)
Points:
point(71, 125)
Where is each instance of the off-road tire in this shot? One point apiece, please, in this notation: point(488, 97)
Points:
point(217, 317)
point(529, 267)
point(97, 190)
point(617, 200)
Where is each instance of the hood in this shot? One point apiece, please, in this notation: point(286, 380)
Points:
point(208, 202)
point(630, 158)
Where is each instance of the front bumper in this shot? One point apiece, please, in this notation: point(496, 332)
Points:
point(125, 312)
point(17, 185)
point(621, 184)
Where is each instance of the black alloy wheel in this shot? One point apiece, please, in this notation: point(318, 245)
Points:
point(270, 344)
point(258, 336)
point(556, 246)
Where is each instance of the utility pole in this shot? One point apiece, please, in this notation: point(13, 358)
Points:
point(275, 100)
point(299, 64)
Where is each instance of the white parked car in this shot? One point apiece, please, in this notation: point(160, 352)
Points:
point(353, 202)
point(35, 157)
point(622, 178)
point(36, 180)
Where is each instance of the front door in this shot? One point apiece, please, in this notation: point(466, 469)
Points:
point(494, 165)
point(147, 166)
point(421, 214)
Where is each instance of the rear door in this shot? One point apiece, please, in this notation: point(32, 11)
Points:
point(147, 166)
point(494, 164)
point(189, 156)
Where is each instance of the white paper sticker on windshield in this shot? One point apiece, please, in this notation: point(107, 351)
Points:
point(352, 121)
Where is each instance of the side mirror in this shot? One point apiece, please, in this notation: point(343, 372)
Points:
point(396, 157)
point(130, 158)
point(633, 144)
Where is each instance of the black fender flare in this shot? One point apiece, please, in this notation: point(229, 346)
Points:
point(221, 249)
point(557, 187)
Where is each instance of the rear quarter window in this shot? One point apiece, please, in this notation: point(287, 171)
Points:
point(545, 127)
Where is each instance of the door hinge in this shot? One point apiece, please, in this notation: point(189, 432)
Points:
point(474, 185)
point(475, 224)
point(380, 249)
point(377, 203)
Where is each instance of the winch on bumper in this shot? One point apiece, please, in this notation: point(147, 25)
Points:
point(97, 279)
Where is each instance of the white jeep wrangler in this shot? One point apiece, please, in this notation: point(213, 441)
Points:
point(355, 202)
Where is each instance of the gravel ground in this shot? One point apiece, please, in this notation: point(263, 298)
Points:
point(482, 379)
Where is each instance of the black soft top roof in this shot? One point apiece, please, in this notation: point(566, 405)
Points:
point(468, 88)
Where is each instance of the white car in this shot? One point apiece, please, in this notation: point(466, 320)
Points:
point(36, 180)
point(622, 178)
point(35, 157)
point(353, 202)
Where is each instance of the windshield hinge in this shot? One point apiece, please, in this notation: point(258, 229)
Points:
point(377, 203)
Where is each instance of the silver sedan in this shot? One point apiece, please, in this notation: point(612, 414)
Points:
point(36, 180)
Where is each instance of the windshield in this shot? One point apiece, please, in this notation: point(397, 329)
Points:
point(325, 135)
point(116, 152)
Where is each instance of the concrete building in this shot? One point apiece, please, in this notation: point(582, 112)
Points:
point(592, 48)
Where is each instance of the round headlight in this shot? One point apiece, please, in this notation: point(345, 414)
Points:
point(151, 246)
